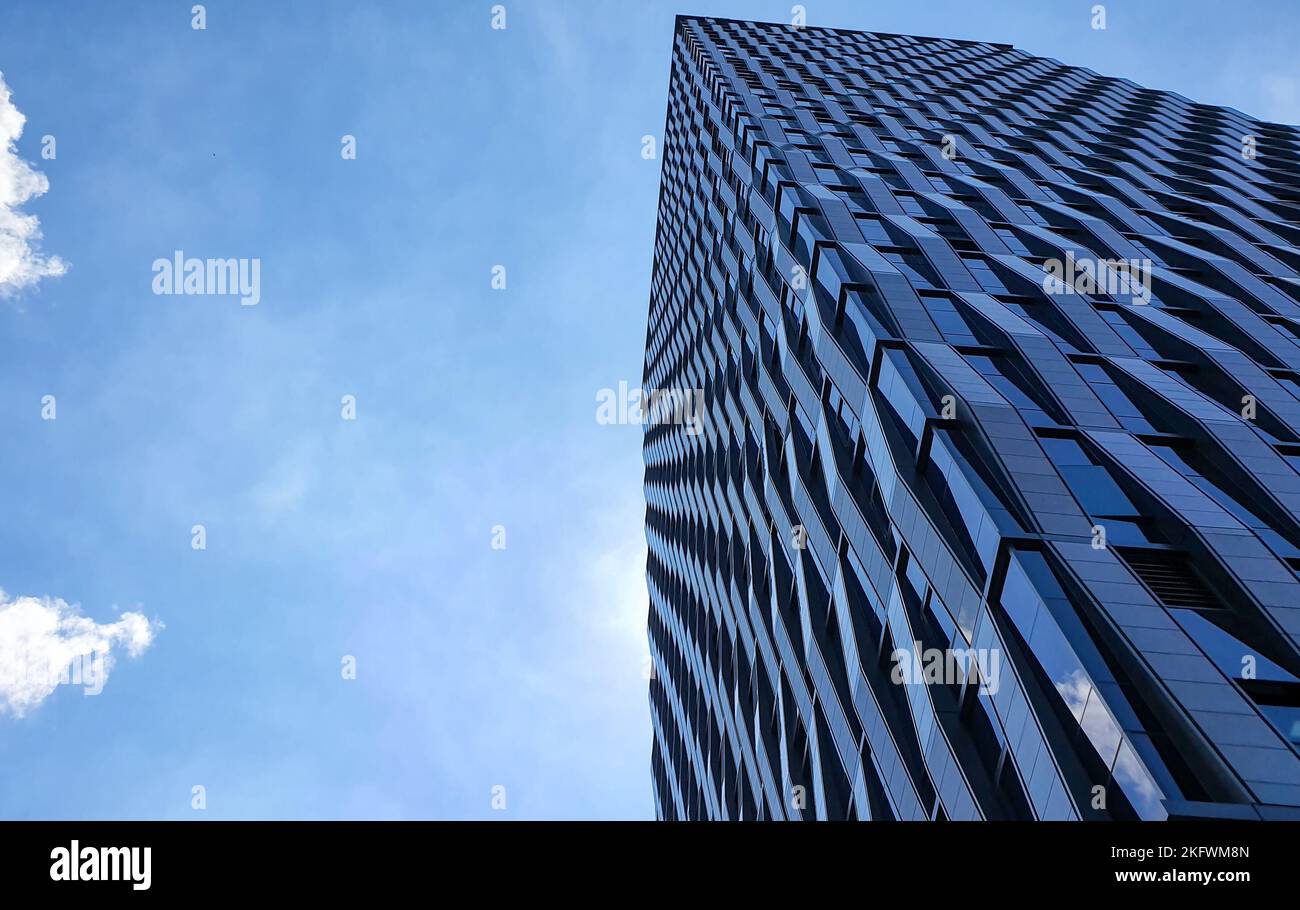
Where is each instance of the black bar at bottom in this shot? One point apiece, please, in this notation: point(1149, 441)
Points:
point(332, 858)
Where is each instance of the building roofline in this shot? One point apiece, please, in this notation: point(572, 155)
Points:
point(686, 17)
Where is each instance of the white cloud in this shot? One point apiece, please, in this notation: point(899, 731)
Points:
point(22, 264)
point(42, 638)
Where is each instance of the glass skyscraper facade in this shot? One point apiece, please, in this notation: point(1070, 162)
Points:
point(991, 509)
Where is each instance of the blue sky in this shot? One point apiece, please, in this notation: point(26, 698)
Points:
point(476, 667)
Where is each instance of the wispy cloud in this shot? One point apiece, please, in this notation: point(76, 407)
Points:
point(1282, 97)
point(22, 264)
point(41, 638)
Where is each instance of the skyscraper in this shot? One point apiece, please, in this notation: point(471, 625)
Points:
point(992, 510)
